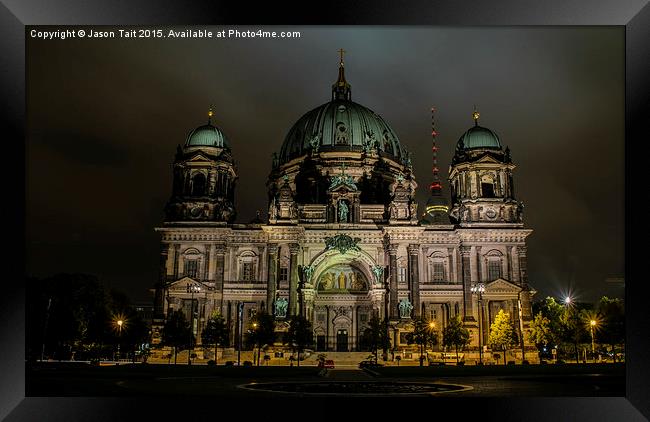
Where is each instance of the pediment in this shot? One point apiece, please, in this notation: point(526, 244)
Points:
point(181, 284)
point(488, 159)
point(199, 158)
point(501, 285)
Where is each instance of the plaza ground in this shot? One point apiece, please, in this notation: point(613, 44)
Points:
point(71, 379)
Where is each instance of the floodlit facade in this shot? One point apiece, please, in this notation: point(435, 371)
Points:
point(343, 240)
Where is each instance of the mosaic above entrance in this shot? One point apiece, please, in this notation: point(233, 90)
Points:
point(342, 279)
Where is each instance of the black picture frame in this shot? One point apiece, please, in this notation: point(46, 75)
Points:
point(634, 15)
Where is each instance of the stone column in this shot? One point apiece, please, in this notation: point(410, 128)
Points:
point(272, 279)
point(293, 279)
point(465, 252)
point(414, 277)
point(392, 301)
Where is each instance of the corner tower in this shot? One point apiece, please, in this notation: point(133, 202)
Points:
point(204, 178)
point(480, 176)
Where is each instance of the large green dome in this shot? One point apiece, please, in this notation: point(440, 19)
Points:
point(479, 137)
point(342, 125)
point(207, 136)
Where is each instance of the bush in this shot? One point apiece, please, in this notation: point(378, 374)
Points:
point(230, 363)
point(211, 362)
point(543, 362)
point(461, 363)
point(511, 362)
point(525, 362)
point(560, 361)
point(248, 363)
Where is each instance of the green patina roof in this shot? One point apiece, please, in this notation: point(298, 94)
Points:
point(479, 137)
point(320, 127)
point(207, 135)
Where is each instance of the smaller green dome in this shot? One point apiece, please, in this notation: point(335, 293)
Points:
point(479, 137)
point(207, 136)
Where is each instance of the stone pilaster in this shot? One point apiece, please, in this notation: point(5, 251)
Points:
point(392, 301)
point(272, 279)
point(206, 263)
point(220, 261)
point(526, 307)
point(414, 277)
point(294, 248)
point(177, 258)
point(465, 252)
point(515, 264)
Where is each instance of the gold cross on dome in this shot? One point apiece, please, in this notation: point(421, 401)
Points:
point(341, 52)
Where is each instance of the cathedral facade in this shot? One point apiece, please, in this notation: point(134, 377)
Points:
point(343, 241)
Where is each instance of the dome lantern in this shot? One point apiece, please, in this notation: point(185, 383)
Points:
point(341, 88)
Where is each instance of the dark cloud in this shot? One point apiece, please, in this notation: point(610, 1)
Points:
point(105, 117)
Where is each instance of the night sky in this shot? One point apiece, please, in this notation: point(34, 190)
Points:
point(105, 116)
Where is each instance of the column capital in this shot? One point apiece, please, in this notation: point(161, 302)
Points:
point(391, 248)
point(521, 250)
point(272, 248)
point(294, 248)
point(220, 248)
point(465, 250)
point(413, 249)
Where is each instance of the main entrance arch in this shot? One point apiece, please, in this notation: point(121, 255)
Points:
point(345, 296)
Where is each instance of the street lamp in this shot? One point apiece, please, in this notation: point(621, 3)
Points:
point(257, 340)
point(592, 324)
point(119, 336)
point(191, 288)
point(568, 302)
point(478, 289)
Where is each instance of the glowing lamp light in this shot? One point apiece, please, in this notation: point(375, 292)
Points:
point(592, 322)
point(567, 300)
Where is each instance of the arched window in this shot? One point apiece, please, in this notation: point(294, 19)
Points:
point(437, 267)
point(198, 185)
point(192, 262)
point(494, 264)
point(247, 266)
point(487, 187)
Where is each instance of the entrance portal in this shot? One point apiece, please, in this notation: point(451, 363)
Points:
point(342, 341)
point(320, 343)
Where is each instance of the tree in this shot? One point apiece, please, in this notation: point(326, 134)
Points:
point(502, 333)
point(375, 337)
point(540, 331)
point(261, 331)
point(216, 332)
point(574, 330)
point(454, 334)
point(423, 335)
point(612, 327)
point(299, 335)
point(176, 332)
